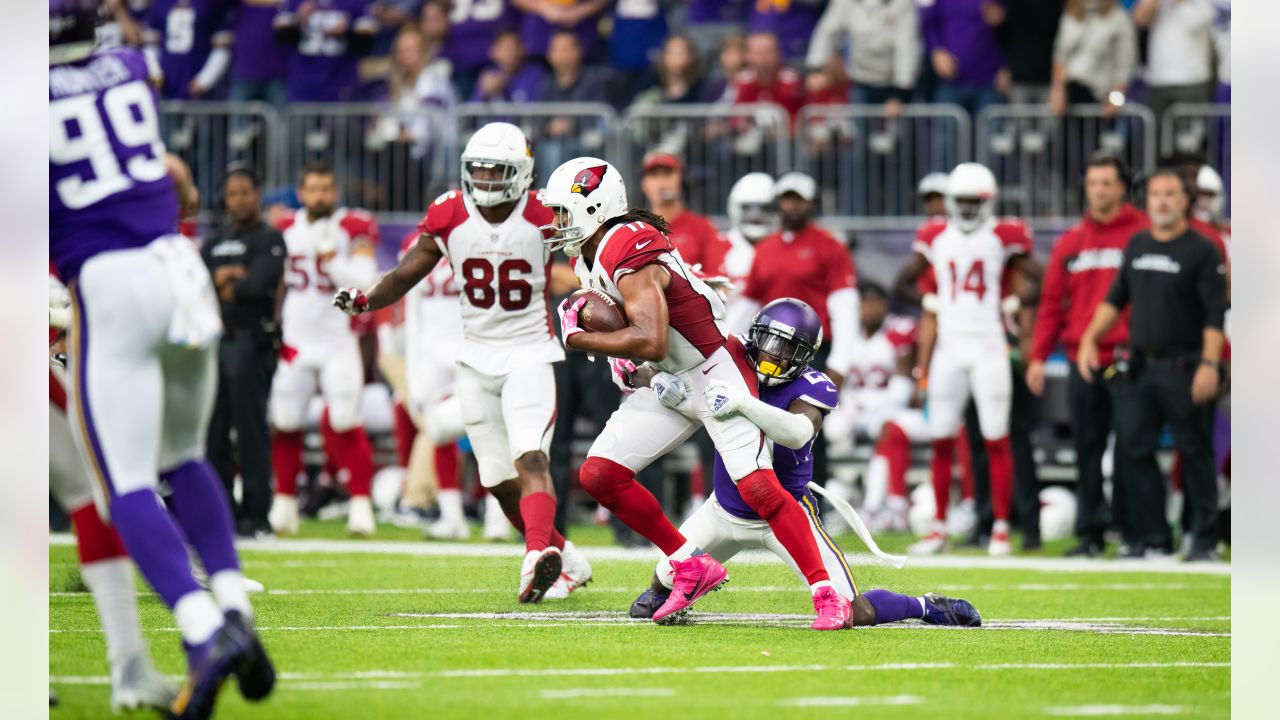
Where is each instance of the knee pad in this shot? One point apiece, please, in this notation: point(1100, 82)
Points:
point(601, 477)
point(344, 416)
point(762, 491)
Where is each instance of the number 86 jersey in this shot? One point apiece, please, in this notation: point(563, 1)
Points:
point(969, 274)
point(502, 273)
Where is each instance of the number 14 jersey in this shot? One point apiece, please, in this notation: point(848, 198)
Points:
point(502, 273)
point(969, 273)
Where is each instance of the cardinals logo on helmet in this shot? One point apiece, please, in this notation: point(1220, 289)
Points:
point(588, 180)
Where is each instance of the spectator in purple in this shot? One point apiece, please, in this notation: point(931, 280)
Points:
point(792, 21)
point(960, 37)
point(120, 23)
point(474, 28)
point(258, 62)
point(639, 27)
point(190, 41)
point(544, 18)
point(327, 38)
point(708, 23)
point(569, 82)
point(508, 78)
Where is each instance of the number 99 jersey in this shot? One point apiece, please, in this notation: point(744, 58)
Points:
point(969, 270)
point(502, 274)
point(104, 143)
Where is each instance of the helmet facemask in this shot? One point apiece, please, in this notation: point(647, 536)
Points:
point(968, 212)
point(755, 220)
point(779, 354)
point(489, 182)
point(564, 234)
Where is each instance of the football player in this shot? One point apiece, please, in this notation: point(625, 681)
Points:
point(328, 247)
point(752, 217)
point(628, 255)
point(491, 235)
point(972, 257)
point(142, 350)
point(784, 334)
point(874, 376)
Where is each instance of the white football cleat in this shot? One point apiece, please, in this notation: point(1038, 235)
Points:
point(137, 685)
point(252, 586)
point(450, 529)
point(539, 571)
point(284, 515)
point(560, 589)
point(935, 543)
point(576, 571)
point(1000, 544)
point(496, 525)
point(360, 516)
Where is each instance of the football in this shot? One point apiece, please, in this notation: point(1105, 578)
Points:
point(601, 313)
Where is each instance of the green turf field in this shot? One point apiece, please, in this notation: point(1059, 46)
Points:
point(399, 629)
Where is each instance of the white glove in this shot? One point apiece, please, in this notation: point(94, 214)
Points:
point(351, 301)
point(724, 399)
point(622, 369)
point(669, 389)
point(569, 319)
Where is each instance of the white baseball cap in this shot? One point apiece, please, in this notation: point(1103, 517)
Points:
point(798, 183)
point(933, 183)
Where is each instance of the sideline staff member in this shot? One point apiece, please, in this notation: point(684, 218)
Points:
point(246, 258)
point(1175, 280)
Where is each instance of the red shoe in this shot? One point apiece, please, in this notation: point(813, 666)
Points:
point(694, 578)
point(835, 612)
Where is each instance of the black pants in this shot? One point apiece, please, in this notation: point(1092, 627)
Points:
point(1091, 413)
point(246, 362)
point(1156, 395)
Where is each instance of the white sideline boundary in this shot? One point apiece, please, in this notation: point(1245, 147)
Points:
point(513, 551)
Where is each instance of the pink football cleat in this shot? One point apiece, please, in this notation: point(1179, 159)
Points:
point(694, 578)
point(835, 612)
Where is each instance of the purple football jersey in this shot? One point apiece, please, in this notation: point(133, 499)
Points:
point(323, 67)
point(793, 466)
point(257, 56)
point(793, 22)
point(716, 11)
point(473, 24)
point(108, 185)
point(536, 34)
point(184, 31)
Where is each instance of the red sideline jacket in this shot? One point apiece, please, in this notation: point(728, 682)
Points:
point(1081, 269)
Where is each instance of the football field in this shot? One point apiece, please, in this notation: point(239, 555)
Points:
point(399, 628)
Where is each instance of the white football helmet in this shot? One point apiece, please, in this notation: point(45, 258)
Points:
point(933, 183)
point(1209, 195)
point(971, 196)
point(751, 206)
point(583, 193)
point(497, 145)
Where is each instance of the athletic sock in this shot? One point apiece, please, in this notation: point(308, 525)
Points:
point(940, 466)
point(446, 457)
point(197, 618)
point(111, 582)
point(555, 540)
point(95, 539)
point(964, 455)
point(538, 510)
point(199, 503)
point(450, 502)
point(406, 432)
point(895, 446)
point(615, 487)
point(815, 587)
point(153, 540)
point(764, 494)
point(286, 460)
point(892, 606)
point(230, 593)
point(351, 451)
point(1000, 457)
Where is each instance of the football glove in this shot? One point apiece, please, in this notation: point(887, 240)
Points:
point(351, 301)
point(622, 369)
point(724, 399)
point(568, 311)
point(669, 389)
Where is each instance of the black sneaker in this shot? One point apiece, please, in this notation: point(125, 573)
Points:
point(1087, 548)
point(255, 675)
point(1203, 556)
point(1135, 551)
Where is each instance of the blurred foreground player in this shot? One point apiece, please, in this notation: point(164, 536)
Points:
point(628, 255)
point(490, 233)
point(793, 399)
point(142, 350)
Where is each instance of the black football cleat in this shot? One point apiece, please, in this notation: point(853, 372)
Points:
point(955, 612)
point(647, 604)
point(255, 676)
point(226, 651)
point(1087, 548)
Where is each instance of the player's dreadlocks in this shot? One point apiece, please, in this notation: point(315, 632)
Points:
point(639, 215)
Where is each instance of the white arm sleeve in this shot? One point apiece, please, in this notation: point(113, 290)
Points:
point(357, 270)
point(215, 67)
point(842, 306)
point(781, 426)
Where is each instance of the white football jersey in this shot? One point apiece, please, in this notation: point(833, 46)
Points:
point(502, 274)
point(968, 274)
point(433, 319)
point(307, 314)
point(871, 362)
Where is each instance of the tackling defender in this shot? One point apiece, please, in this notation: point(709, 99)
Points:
point(628, 255)
point(142, 350)
point(491, 235)
point(794, 398)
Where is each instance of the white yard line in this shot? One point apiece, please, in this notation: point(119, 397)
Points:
point(575, 693)
point(953, 562)
point(1105, 710)
point(839, 701)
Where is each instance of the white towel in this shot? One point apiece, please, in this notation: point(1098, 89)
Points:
point(195, 321)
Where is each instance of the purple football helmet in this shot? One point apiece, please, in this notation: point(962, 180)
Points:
point(783, 338)
point(72, 28)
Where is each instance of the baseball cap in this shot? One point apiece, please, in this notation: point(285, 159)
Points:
point(798, 183)
point(935, 183)
point(658, 159)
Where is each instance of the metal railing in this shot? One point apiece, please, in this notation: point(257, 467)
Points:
point(1202, 129)
point(868, 163)
point(1039, 157)
point(211, 136)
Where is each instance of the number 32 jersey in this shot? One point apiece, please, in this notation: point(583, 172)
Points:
point(502, 273)
point(969, 273)
point(108, 185)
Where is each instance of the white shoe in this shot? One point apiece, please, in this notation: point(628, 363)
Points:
point(284, 515)
point(449, 529)
point(360, 516)
point(576, 571)
point(539, 571)
point(496, 525)
point(560, 589)
point(961, 519)
point(252, 586)
point(935, 543)
point(137, 685)
point(1000, 544)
